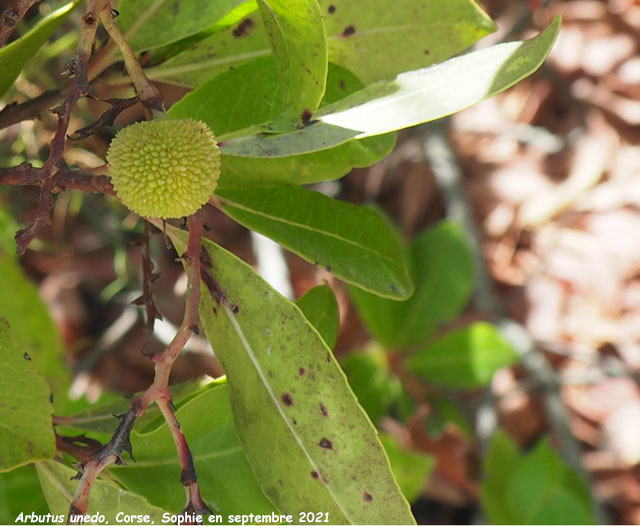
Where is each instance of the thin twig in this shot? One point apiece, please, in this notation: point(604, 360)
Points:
point(13, 113)
point(11, 15)
point(157, 392)
point(64, 179)
point(148, 277)
point(147, 92)
point(55, 161)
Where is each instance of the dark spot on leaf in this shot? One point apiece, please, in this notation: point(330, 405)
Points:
point(243, 28)
point(175, 8)
point(324, 410)
point(215, 311)
point(301, 370)
point(305, 116)
point(332, 9)
point(328, 267)
point(235, 309)
point(315, 475)
point(367, 497)
point(348, 31)
point(27, 357)
point(343, 86)
point(295, 422)
point(394, 289)
point(427, 52)
point(326, 443)
point(287, 399)
point(328, 357)
point(51, 398)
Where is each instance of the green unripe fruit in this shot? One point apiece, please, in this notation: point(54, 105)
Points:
point(164, 168)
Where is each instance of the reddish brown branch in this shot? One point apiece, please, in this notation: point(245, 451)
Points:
point(11, 15)
point(63, 179)
point(148, 277)
point(81, 447)
point(56, 148)
point(13, 113)
point(157, 392)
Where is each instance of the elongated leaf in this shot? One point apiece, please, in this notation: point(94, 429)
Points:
point(27, 315)
point(536, 488)
point(320, 307)
point(376, 40)
point(249, 95)
point(352, 242)
point(226, 481)
point(310, 444)
point(107, 498)
point(26, 432)
point(299, 46)
point(152, 23)
point(411, 98)
point(465, 358)
point(442, 271)
point(15, 55)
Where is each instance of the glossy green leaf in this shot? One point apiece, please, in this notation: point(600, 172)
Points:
point(26, 433)
point(148, 24)
point(248, 95)
point(15, 55)
point(310, 444)
point(226, 481)
point(378, 390)
point(20, 492)
point(442, 272)
point(107, 498)
point(320, 307)
point(465, 358)
point(410, 99)
point(352, 242)
point(536, 488)
point(29, 319)
point(411, 468)
point(375, 40)
point(299, 47)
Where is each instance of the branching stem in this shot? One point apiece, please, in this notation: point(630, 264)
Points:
point(157, 392)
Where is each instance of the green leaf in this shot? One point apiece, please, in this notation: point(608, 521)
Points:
point(29, 319)
point(465, 358)
point(378, 390)
point(352, 242)
point(26, 432)
point(411, 98)
point(20, 492)
point(149, 24)
point(107, 498)
point(16, 54)
point(299, 46)
point(375, 40)
point(310, 444)
point(537, 488)
point(411, 468)
point(249, 95)
point(442, 271)
point(320, 307)
point(226, 481)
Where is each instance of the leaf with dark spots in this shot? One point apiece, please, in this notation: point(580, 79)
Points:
point(27, 357)
point(315, 475)
point(285, 442)
point(367, 497)
point(324, 410)
point(287, 399)
point(349, 30)
point(305, 117)
point(243, 28)
point(331, 9)
point(301, 370)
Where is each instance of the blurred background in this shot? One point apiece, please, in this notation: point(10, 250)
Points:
point(546, 180)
